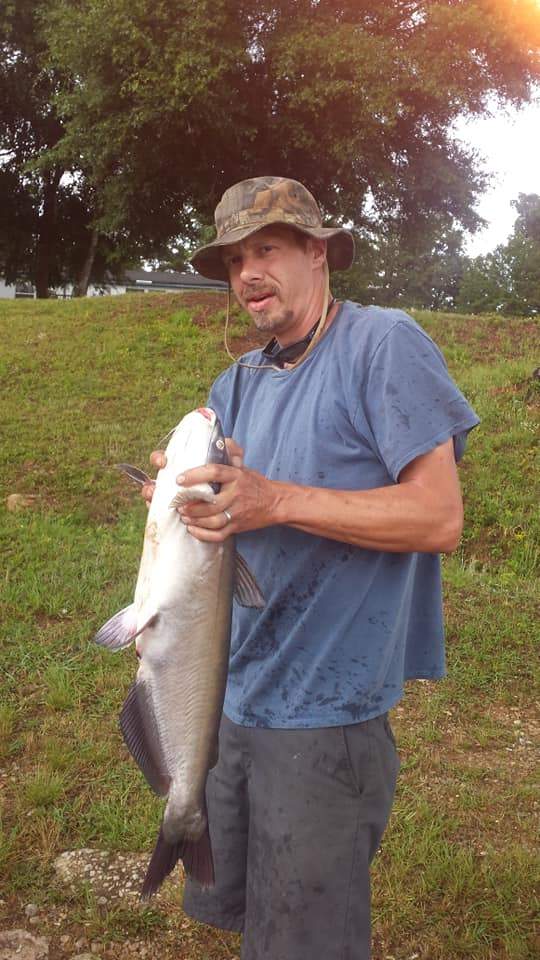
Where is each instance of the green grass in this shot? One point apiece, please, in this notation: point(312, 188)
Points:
point(88, 384)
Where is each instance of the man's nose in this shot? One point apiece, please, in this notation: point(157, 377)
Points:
point(251, 269)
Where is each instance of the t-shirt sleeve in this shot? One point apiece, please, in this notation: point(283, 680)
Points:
point(410, 400)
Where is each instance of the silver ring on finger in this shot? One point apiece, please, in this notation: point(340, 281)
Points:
point(228, 516)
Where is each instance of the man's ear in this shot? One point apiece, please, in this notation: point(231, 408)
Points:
point(318, 249)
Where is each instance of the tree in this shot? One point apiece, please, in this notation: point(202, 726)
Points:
point(47, 205)
point(173, 100)
point(132, 116)
point(508, 279)
point(484, 284)
point(527, 224)
point(28, 129)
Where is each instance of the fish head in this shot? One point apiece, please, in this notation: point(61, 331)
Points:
point(197, 441)
point(217, 448)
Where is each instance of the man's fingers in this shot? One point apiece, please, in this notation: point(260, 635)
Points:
point(196, 509)
point(210, 536)
point(147, 491)
point(215, 521)
point(211, 473)
point(158, 459)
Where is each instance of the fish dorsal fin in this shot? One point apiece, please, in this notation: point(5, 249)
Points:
point(201, 491)
point(138, 726)
point(246, 589)
point(123, 628)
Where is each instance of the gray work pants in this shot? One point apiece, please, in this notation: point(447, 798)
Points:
point(296, 817)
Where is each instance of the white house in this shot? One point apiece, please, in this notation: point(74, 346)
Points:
point(132, 281)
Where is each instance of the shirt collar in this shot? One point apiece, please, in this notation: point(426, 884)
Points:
point(279, 356)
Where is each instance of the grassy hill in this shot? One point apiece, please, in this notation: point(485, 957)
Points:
point(88, 383)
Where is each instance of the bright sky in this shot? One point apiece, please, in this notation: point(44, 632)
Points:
point(510, 142)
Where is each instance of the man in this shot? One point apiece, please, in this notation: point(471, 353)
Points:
point(345, 495)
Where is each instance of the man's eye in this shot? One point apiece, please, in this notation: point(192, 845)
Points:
point(267, 248)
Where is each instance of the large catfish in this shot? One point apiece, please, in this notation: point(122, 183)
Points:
point(180, 621)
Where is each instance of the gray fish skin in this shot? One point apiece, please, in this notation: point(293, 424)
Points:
point(181, 619)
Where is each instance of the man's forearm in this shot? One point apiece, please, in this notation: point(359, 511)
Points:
point(423, 512)
point(398, 519)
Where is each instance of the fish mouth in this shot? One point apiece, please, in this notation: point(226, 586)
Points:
point(207, 413)
point(217, 449)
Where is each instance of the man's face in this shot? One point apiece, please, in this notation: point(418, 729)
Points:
point(275, 276)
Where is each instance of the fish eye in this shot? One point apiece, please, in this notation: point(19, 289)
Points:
point(220, 444)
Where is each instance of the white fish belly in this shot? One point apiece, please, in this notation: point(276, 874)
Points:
point(184, 661)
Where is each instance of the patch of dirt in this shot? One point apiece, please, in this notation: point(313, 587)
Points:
point(488, 340)
point(110, 876)
point(527, 390)
point(508, 760)
point(21, 945)
point(251, 341)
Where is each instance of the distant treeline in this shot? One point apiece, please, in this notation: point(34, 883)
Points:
point(505, 281)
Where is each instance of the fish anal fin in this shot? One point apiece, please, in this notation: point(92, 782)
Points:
point(122, 628)
point(246, 589)
point(196, 856)
point(137, 724)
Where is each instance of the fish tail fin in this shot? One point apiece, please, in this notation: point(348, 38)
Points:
point(198, 860)
point(162, 862)
point(196, 856)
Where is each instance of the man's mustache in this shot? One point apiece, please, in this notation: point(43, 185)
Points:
point(248, 293)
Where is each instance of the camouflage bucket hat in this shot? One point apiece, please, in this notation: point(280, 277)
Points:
point(250, 205)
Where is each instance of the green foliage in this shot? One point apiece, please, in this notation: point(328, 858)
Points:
point(508, 279)
point(424, 271)
point(125, 120)
point(174, 101)
point(89, 383)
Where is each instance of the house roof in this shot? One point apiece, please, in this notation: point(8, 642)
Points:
point(165, 279)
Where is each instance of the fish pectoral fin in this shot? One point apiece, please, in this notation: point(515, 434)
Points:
point(122, 629)
point(134, 473)
point(246, 589)
point(138, 727)
point(201, 491)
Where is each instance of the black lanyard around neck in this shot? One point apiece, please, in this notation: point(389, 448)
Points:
point(279, 356)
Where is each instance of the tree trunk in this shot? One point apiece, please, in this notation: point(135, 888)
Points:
point(81, 287)
point(46, 234)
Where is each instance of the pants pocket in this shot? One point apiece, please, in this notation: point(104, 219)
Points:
point(358, 752)
point(389, 731)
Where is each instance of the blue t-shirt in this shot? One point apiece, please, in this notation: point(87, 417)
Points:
point(343, 627)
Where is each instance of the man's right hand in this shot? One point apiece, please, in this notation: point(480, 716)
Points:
point(159, 460)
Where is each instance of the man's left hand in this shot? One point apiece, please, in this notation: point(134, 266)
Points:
point(249, 498)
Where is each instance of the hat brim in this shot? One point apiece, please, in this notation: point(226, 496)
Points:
point(208, 260)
